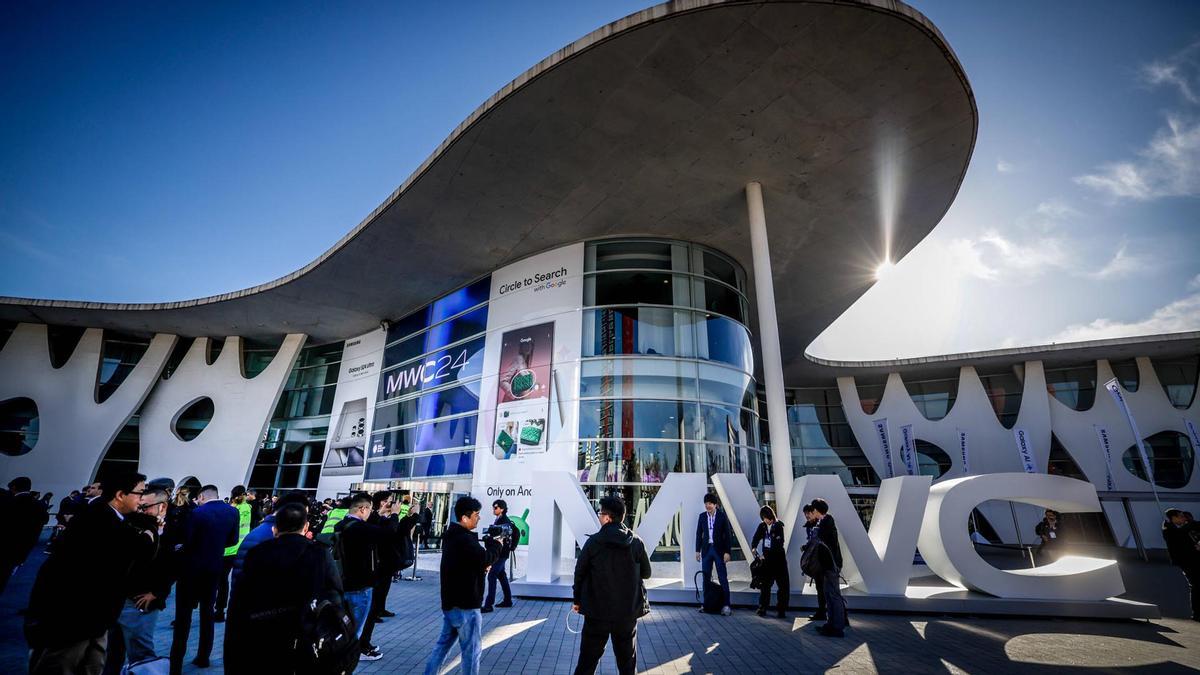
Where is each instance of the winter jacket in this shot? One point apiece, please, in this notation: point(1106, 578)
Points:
point(464, 564)
point(257, 536)
point(359, 547)
point(610, 574)
point(1181, 544)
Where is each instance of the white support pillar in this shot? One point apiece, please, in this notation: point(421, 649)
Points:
point(768, 334)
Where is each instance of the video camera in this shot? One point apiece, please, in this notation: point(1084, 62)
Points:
point(497, 533)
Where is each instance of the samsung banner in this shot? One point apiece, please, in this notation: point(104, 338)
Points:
point(962, 449)
point(885, 445)
point(1106, 448)
point(1114, 388)
point(352, 412)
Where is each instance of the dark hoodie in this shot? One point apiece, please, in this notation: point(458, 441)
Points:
point(609, 574)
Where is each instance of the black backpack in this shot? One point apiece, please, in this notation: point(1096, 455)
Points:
point(328, 642)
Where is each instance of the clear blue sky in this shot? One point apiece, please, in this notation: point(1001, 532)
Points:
point(165, 151)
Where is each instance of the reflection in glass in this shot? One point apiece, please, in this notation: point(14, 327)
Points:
point(442, 434)
point(628, 461)
point(1178, 377)
point(647, 288)
point(628, 255)
point(638, 378)
point(614, 418)
point(1004, 390)
point(933, 398)
point(1074, 387)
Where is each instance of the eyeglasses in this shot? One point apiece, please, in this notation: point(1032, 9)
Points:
point(147, 507)
point(136, 492)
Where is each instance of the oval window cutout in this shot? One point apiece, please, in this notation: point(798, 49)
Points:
point(193, 419)
point(18, 426)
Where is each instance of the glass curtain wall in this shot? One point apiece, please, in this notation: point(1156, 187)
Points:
point(667, 369)
point(292, 450)
point(822, 441)
point(427, 407)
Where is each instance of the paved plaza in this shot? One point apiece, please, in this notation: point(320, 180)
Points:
point(533, 637)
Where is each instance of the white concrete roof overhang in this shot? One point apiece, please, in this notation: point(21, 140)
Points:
point(651, 126)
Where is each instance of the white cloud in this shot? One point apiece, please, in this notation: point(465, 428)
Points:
point(1123, 264)
point(1169, 165)
point(1194, 284)
point(1056, 209)
point(1179, 316)
point(1003, 166)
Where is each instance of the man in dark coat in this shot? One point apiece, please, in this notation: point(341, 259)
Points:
point(208, 530)
point(714, 545)
point(810, 531)
point(81, 587)
point(610, 591)
point(831, 557)
point(279, 582)
point(1182, 537)
point(426, 523)
point(24, 516)
point(464, 564)
point(774, 557)
point(359, 544)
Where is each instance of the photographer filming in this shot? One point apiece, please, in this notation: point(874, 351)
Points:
point(503, 530)
point(464, 564)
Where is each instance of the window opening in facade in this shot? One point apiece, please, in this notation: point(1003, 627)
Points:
point(18, 426)
point(1171, 455)
point(870, 391)
point(1126, 373)
point(821, 438)
point(933, 398)
point(1178, 379)
point(1004, 389)
point(1073, 386)
point(119, 354)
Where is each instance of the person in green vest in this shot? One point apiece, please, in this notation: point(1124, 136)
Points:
point(237, 499)
point(335, 516)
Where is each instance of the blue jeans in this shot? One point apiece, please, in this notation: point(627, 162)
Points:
point(138, 629)
point(466, 625)
point(711, 557)
point(360, 607)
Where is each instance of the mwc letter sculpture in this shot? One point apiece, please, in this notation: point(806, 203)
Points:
point(950, 554)
point(909, 514)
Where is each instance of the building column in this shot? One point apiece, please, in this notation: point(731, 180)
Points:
point(772, 360)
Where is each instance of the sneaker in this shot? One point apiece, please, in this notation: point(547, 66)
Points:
point(372, 654)
point(760, 611)
point(386, 614)
point(506, 603)
point(485, 610)
point(817, 616)
point(726, 611)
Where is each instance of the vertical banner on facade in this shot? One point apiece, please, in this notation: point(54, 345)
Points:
point(885, 445)
point(909, 449)
point(1114, 388)
point(523, 391)
point(1106, 447)
point(962, 450)
point(1023, 449)
point(1193, 433)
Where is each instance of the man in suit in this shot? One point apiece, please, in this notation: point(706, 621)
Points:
point(80, 589)
point(714, 545)
point(211, 526)
point(24, 516)
point(831, 557)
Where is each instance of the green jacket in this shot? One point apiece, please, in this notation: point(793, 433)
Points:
point(243, 527)
point(335, 517)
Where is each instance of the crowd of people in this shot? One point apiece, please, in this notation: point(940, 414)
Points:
point(302, 583)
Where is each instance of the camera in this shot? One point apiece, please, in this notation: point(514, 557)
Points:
point(496, 533)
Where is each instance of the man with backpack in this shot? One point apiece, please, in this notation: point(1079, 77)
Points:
point(610, 590)
point(287, 612)
point(508, 539)
point(825, 560)
point(356, 545)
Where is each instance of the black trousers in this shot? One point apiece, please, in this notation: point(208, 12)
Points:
point(382, 587)
point(190, 593)
point(820, 586)
point(498, 573)
point(596, 633)
point(1192, 574)
point(223, 583)
point(776, 573)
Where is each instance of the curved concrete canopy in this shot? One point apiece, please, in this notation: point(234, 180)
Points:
point(652, 125)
